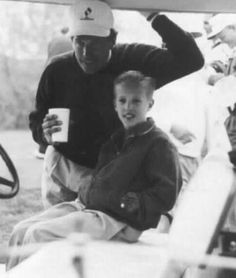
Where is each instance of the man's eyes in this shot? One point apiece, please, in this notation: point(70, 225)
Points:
point(122, 100)
point(92, 45)
point(77, 40)
point(89, 42)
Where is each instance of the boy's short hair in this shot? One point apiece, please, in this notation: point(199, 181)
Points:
point(136, 79)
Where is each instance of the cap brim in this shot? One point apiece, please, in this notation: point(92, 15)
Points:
point(217, 30)
point(213, 34)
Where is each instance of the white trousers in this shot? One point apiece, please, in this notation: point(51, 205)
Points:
point(62, 178)
point(59, 221)
point(189, 166)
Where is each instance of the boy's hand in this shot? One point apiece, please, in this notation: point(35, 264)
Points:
point(83, 193)
point(130, 202)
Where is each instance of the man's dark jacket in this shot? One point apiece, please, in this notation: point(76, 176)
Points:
point(90, 96)
point(144, 161)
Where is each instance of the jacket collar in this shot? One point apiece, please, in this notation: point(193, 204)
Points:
point(137, 130)
point(140, 129)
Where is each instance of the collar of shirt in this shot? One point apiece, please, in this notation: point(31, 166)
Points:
point(137, 130)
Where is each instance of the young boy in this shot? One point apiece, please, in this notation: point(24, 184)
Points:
point(136, 179)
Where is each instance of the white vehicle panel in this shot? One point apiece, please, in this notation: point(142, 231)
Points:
point(162, 5)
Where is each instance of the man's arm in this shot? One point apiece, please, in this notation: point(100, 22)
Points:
point(182, 134)
point(182, 55)
point(41, 108)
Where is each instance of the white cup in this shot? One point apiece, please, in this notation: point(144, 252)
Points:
point(63, 115)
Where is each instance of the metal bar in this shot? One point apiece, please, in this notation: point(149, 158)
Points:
point(160, 5)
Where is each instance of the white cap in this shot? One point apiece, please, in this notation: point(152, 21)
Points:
point(219, 22)
point(91, 18)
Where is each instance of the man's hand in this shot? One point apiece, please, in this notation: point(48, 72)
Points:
point(50, 125)
point(149, 15)
point(215, 78)
point(130, 202)
point(218, 66)
point(182, 134)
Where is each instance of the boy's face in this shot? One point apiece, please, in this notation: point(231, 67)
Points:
point(131, 105)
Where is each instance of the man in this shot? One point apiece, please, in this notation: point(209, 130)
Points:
point(223, 30)
point(83, 82)
point(184, 116)
point(58, 45)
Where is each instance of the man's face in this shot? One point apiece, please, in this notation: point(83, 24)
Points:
point(92, 53)
point(131, 104)
point(228, 36)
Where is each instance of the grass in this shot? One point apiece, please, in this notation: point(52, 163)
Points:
point(20, 146)
point(25, 204)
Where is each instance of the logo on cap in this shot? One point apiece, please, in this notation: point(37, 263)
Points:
point(87, 12)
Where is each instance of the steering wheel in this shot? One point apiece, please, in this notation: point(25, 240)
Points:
point(14, 184)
